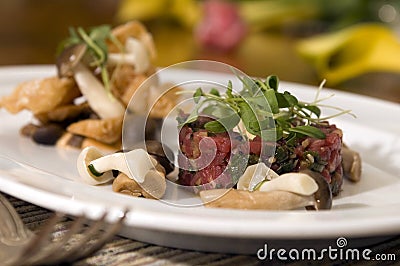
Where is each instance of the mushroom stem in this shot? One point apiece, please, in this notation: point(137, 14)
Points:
point(99, 100)
point(135, 54)
point(135, 164)
point(256, 200)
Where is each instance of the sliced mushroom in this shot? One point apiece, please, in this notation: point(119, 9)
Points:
point(69, 64)
point(137, 164)
point(150, 188)
point(103, 103)
point(256, 200)
point(289, 191)
point(255, 174)
point(133, 29)
point(48, 134)
point(135, 54)
point(299, 183)
point(69, 58)
point(351, 164)
point(323, 196)
point(84, 160)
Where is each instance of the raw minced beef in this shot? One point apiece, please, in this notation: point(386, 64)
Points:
point(320, 155)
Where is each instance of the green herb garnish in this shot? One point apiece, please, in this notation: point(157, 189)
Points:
point(95, 41)
point(261, 109)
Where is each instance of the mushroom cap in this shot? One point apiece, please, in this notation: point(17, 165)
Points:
point(351, 164)
point(86, 156)
point(323, 196)
point(153, 187)
point(154, 184)
point(125, 185)
point(255, 174)
point(69, 58)
point(299, 183)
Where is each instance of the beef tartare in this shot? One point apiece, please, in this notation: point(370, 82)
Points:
point(302, 140)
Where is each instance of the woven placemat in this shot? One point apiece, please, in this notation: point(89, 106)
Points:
point(122, 251)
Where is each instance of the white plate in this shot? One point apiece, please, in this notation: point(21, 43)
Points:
point(369, 208)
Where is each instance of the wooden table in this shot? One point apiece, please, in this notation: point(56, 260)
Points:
point(127, 252)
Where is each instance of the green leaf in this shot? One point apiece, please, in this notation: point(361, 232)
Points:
point(223, 124)
point(215, 92)
point(196, 96)
point(192, 117)
point(215, 127)
point(249, 86)
point(229, 89)
point(272, 134)
point(272, 100)
point(249, 118)
point(282, 102)
point(218, 110)
point(292, 101)
point(308, 131)
point(314, 109)
point(267, 123)
point(272, 82)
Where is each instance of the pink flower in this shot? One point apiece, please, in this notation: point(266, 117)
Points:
point(221, 28)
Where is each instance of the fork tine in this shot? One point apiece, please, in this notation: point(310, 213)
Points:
point(110, 231)
point(38, 241)
point(56, 246)
point(78, 250)
point(12, 225)
point(88, 233)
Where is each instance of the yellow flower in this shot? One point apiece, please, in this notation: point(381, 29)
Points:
point(353, 51)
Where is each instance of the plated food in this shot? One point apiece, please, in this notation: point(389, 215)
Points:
point(98, 72)
point(252, 147)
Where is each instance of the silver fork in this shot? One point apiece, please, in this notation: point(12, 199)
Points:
point(20, 246)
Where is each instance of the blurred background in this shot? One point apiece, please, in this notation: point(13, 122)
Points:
point(354, 45)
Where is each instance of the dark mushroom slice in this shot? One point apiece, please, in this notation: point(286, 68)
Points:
point(323, 196)
point(351, 162)
point(69, 58)
point(48, 134)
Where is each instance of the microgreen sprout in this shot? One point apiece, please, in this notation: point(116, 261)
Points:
point(97, 52)
point(262, 110)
